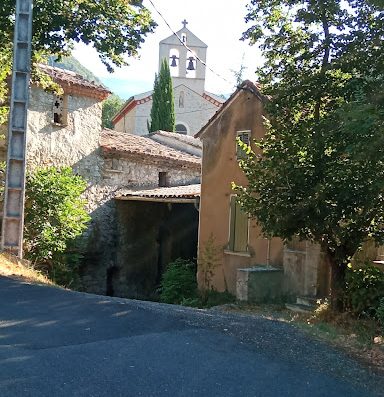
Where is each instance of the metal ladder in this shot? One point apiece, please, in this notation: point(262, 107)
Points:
point(13, 219)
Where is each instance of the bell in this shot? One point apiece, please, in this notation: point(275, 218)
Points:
point(190, 64)
point(174, 62)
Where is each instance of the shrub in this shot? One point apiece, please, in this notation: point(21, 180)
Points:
point(179, 284)
point(364, 289)
point(55, 217)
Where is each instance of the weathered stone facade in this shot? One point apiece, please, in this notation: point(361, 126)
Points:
point(77, 141)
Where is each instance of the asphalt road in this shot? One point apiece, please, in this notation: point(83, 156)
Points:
point(55, 342)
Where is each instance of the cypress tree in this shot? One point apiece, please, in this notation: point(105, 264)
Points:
point(163, 107)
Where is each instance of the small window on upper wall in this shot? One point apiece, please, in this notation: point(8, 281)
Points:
point(245, 137)
point(163, 179)
point(184, 38)
point(60, 109)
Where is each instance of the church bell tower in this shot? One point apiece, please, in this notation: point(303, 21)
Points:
point(182, 58)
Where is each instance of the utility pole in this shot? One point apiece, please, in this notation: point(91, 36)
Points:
point(13, 220)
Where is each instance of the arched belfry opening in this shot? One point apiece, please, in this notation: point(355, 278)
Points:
point(174, 62)
point(190, 65)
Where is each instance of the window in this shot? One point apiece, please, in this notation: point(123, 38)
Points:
point(245, 137)
point(163, 179)
point(190, 65)
point(181, 99)
point(174, 59)
point(60, 106)
point(181, 129)
point(238, 233)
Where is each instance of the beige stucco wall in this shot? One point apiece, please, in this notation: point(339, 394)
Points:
point(219, 169)
point(305, 271)
point(128, 122)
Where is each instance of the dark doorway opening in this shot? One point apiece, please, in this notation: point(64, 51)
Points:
point(112, 276)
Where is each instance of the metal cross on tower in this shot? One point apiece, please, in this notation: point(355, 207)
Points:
point(13, 219)
point(185, 23)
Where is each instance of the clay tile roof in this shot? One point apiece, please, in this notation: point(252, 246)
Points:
point(176, 192)
point(75, 83)
point(122, 143)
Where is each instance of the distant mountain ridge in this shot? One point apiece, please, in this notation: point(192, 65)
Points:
point(71, 63)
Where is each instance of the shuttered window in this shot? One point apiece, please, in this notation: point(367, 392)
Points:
point(245, 137)
point(238, 234)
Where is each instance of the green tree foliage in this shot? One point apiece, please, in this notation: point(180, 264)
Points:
point(364, 290)
point(115, 28)
point(55, 217)
point(321, 175)
point(110, 107)
point(163, 106)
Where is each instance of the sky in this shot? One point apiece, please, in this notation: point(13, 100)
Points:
point(218, 23)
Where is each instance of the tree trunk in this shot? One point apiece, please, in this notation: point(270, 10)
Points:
point(338, 269)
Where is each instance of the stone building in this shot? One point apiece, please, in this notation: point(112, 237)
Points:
point(66, 131)
point(193, 105)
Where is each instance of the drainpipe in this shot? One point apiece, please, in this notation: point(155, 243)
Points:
point(197, 203)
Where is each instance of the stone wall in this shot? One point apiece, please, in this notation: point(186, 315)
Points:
point(194, 114)
point(126, 172)
point(75, 144)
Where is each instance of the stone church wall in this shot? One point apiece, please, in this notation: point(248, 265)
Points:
point(196, 110)
point(191, 109)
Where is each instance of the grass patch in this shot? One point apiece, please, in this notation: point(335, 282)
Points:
point(11, 266)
